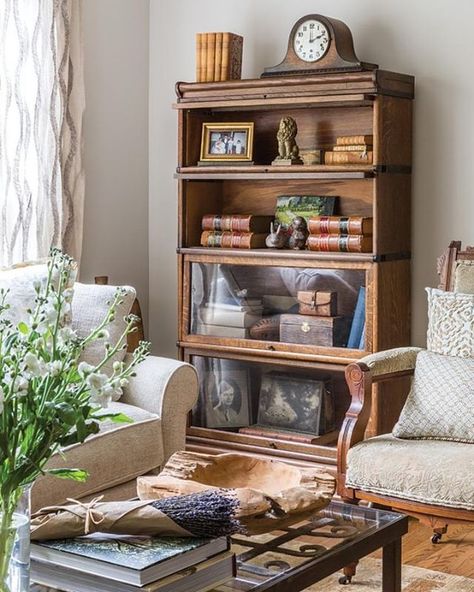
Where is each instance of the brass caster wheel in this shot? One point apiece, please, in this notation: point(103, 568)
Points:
point(345, 580)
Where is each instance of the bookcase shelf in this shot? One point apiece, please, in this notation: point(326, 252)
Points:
point(376, 103)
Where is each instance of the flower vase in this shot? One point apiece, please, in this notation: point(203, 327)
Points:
point(15, 542)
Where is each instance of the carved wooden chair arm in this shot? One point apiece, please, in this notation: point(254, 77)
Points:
point(360, 376)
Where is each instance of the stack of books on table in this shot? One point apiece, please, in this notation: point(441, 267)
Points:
point(229, 320)
point(351, 150)
point(350, 234)
point(235, 231)
point(131, 564)
point(218, 56)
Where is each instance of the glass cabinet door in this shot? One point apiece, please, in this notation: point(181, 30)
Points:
point(304, 306)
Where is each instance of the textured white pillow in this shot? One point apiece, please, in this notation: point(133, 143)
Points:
point(90, 304)
point(440, 405)
point(20, 281)
point(450, 323)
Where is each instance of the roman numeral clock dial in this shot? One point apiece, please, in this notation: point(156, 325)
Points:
point(311, 41)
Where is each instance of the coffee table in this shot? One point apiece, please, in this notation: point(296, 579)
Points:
point(296, 553)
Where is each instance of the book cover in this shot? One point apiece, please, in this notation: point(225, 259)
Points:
point(362, 157)
point(200, 578)
point(222, 331)
point(237, 222)
point(340, 225)
point(340, 243)
point(352, 148)
point(353, 140)
point(218, 57)
point(211, 49)
point(229, 318)
point(134, 560)
point(198, 57)
point(204, 57)
point(358, 322)
point(302, 205)
point(235, 57)
point(232, 240)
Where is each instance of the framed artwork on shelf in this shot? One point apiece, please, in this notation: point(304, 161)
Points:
point(226, 142)
point(291, 402)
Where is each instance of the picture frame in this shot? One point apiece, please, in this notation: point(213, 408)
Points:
point(226, 142)
point(291, 403)
point(225, 393)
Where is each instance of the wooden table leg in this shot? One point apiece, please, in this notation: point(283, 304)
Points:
point(392, 567)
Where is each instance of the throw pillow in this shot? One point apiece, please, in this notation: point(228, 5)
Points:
point(20, 282)
point(90, 304)
point(440, 405)
point(450, 323)
point(464, 277)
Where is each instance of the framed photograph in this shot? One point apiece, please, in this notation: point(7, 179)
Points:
point(291, 403)
point(224, 396)
point(226, 142)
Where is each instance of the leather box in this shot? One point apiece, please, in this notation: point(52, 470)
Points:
point(312, 330)
point(322, 304)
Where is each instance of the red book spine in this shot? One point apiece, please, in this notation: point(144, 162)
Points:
point(340, 243)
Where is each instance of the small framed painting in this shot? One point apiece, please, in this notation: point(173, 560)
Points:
point(226, 142)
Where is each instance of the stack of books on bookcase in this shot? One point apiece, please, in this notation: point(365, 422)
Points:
point(218, 56)
point(351, 234)
point(229, 320)
point(351, 150)
point(132, 564)
point(235, 231)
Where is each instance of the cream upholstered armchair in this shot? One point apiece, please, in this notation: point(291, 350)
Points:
point(157, 399)
point(425, 467)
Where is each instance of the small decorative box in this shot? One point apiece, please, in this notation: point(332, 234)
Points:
point(312, 330)
point(322, 304)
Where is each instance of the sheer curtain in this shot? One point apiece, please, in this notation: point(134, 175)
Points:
point(41, 111)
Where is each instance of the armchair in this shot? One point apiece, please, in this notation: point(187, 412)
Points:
point(429, 479)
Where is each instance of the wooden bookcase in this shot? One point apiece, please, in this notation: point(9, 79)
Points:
point(325, 106)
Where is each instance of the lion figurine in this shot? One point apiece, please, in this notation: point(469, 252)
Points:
point(287, 147)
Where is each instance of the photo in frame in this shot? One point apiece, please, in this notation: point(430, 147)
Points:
point(291, 403)
point(226, 142)
point(224, 394)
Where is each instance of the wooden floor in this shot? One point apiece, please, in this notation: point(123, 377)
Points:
point(454, 554)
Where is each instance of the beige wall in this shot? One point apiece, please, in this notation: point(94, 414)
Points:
point(431, 39)
point(116, 142)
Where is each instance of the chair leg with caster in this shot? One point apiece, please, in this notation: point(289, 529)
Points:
point(349, 573)
point(438, 533)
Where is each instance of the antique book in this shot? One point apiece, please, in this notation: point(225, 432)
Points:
point(229, 318)
point(353, 140)
point(352, 147)
point(232, 46)
point(362, 157)
point(198, 57)
point(289, 435)
point(311, 330)
point(340, 225)
point(130, 559)
point(306, 206)
point(218, 57)
point(203, 57)
point(199, 578)
point(317, 303)
point(356, 333)
point(210, 54)
point(233, 240)
point(237, 222)
point(252, 304)
point(344, 243)
point(222, 331)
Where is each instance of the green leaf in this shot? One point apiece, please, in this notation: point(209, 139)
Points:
point(23, 328)
point(115, 417)
point(74, 474)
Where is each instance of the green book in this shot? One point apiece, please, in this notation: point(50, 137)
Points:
point(132, 560)
point(302, 205)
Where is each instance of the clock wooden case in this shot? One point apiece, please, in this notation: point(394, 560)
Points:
point(318, 44)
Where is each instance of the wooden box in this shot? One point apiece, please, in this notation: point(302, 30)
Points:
point(312, 330)
point(315, 303)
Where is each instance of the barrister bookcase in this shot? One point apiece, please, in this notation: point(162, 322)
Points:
point(377, 103)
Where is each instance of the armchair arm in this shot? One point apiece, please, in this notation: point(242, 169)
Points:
point(168, 388)
point(392, 363)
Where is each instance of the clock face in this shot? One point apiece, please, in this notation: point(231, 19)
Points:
point(311, 40)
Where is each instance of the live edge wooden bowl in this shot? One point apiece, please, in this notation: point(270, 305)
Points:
point(263, 487)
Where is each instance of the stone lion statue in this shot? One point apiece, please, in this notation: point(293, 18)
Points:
point(287, 146)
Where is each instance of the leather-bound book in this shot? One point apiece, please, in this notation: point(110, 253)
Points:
point(211, 49)
point(237, 222)
point(343, 243)
point(233, 240)
point(361, 157)
point(340, 225)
